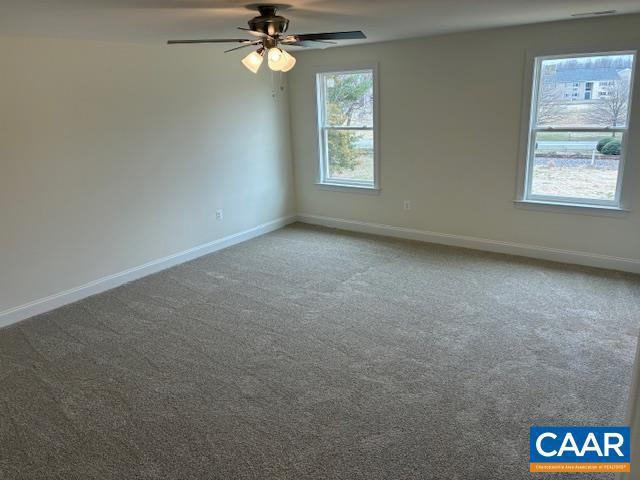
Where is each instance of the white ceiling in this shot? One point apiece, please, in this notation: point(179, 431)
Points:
point(159, 20)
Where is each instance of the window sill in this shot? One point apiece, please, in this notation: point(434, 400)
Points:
point(574, 208)
point(348, 188)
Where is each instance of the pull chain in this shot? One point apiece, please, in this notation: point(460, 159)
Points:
point(273, 84)
point(277, 84)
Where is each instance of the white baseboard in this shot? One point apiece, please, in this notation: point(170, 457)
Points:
point(510, 248)
point(13, 315)
point(94, 287)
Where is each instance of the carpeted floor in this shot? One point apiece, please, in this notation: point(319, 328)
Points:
point(314, 354)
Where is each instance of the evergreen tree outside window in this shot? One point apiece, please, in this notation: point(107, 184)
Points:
point(347, 128)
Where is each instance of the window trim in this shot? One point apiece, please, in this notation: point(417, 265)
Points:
point(527, 133)
point(321, 130)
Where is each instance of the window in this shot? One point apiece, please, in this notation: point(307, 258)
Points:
point(576, 147)
point(347, 107)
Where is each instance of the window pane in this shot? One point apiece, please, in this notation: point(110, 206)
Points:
point(580, 165)
point(350, 155)
point(349, 99)
point(584, 91)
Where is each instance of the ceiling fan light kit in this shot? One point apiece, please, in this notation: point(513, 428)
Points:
point(280, 60)
point(291, 61)
point(253, 61)
point(268, 30)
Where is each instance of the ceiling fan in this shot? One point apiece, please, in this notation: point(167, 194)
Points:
point(268, 30)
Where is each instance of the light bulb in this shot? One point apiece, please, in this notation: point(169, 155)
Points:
point(291, 61)
point(253, 61)
point(274, 54)
point(277, 59)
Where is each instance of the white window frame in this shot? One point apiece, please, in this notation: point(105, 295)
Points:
point(529, 130)
point(322, 129)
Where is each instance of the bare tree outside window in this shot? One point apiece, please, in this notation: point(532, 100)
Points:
point(550, 107)
point(576, 138)
point(611, 109)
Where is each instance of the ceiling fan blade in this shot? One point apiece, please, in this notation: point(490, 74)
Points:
point(254, 32)
point(290, 39)
point(298, 44)
point(306, 43)
point(354, 35)
point(249, 44)
point(210, 40)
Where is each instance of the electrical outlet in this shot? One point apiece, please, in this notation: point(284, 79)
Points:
point(219, 215)
point(406, 205)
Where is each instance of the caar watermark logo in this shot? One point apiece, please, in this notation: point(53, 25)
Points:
point(579, 449)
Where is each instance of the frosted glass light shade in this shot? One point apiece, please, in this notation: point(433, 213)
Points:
point(253, 61)
point(277, 59)
point(291, 61)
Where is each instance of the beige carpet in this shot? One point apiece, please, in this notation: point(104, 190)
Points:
point(314, 354)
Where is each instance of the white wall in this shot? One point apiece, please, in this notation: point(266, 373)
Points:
point(450, 115)
point(113, 155)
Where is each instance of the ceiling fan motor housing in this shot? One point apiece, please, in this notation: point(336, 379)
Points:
point(269, 21)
